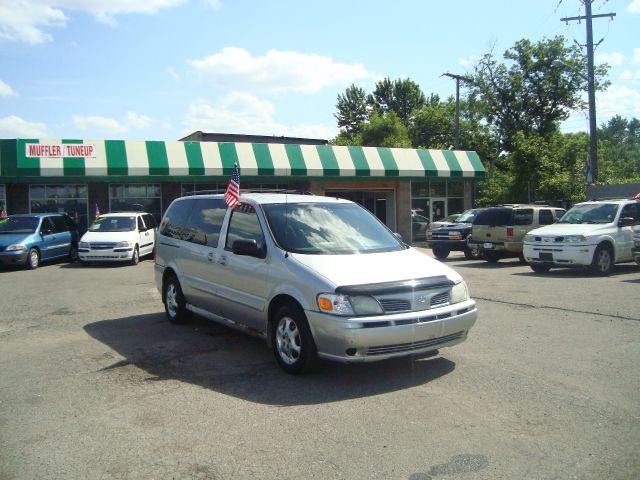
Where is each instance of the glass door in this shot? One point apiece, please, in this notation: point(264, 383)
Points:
point(438, 209)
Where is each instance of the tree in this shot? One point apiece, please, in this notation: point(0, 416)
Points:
point(534, 90)
point(387, 131)
point(619, 144)
point(352, 109)
point(399, 96)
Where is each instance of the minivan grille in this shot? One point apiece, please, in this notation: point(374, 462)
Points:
point(395, 305)
point(440, 299)
point(407, 347)
point(102, 246)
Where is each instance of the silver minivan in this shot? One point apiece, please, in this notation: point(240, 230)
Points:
point(314, 276)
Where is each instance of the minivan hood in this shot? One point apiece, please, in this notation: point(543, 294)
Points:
point(106, 236)
point(11, 238)
point(560, 229)
point(358, 269)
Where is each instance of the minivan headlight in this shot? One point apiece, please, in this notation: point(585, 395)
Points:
point(123, 244)
point(575, 238)
point(459, 293)
point(529, 238)
point(16, 246)
point(83, 245)
point(346, 305)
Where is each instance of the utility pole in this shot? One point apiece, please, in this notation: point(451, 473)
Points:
point(457, 79)
point(592, 168)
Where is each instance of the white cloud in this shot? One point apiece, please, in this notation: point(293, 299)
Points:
point(636, 55)
point(614, 58)
point(16, 127)
point(626, 75)
point(173, 74)
point(6, 90)
point(246, 114)
point(276, 71)
point(634, 7)
point(27, 20)
point(98, 123)
point(469, 61)
point(618, 100)
point(137, 121)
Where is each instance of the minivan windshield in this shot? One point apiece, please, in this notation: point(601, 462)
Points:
point(18, 225)
point(113, 224)
point(591, 213)
point(329, 228)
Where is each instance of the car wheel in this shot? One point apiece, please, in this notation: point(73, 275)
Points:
point(602, 261)
point(523, 260)
point(473, 252)
point(135, 259)
point(292, 341)
point(73, 253)
point(539, 268)
point(491, 257)
point(33, 259)
point(440, 252)
point(174, 302)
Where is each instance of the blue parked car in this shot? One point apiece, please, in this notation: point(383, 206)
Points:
point(29, 239)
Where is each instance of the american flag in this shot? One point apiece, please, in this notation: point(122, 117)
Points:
point(232, 195)
point(97, 212)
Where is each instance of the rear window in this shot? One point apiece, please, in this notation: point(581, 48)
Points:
point(495, 217)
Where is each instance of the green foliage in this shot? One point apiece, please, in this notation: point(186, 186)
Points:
point(399, 96)
point(352, 109)
point(387, 131)
point(534, 90)
point(619, 151)
point(433, 125)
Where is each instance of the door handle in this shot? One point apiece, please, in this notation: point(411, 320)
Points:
point(210, 257)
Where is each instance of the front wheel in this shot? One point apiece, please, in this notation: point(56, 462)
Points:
point(473, 252)
point(33, 259)
point(292, 340)
point(440, 252)
point(539, 268)
point(135, 259)
point(602, 261)
point(174, 302)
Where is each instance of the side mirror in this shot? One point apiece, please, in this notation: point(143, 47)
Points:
point(248, 248)
point(626, 222)
point(398, 236)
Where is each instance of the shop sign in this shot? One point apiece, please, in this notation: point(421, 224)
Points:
point(56, 150)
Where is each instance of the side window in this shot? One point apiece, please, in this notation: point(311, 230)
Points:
point(631, 210)
point(46, 227)
point(206, 220)
point(244, 225)
point(545, 217)
point(559, 213)
point(149, 220)
point(59, 224)
point(141, 227)
point(174, 222)
point(523, 216)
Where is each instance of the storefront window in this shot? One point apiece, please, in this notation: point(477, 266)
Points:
point(431, 201)
point(69, 199)
point(136, 197)
point(197, 188)
point(455, 205)
point(455, 189)
point(438, 189)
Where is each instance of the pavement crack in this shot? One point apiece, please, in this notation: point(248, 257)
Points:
point(561, 309)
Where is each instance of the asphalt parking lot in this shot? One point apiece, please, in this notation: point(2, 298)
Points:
point(96, 384)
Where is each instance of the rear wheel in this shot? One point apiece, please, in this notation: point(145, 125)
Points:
point(602, 260)
point(440, 252)
point(33, 259)
point(174, 302)
point(292, 341)
point(491, 257)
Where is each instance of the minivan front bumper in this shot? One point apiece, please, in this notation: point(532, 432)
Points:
point(368, 339)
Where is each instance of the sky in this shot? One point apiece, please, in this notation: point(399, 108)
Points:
point(162, 69)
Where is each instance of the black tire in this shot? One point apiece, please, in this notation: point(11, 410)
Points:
point(440, 252)
point(174, 302)
point(536, 267)
point(602, 262)
point(473, 252)
point(33, 259)
point(73, 253)
point(523, 260)
point(135, 259)
point(292, 341)
point(491, 257)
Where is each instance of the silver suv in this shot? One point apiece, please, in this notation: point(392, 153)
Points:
point(313, 276)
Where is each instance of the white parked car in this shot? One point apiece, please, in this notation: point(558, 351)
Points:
point(119, 237)
point(595, 235)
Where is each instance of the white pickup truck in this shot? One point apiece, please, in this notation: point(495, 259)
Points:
point(594, 235)
point(636, 248)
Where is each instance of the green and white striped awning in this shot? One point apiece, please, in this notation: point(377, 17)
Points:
point(168, 160)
